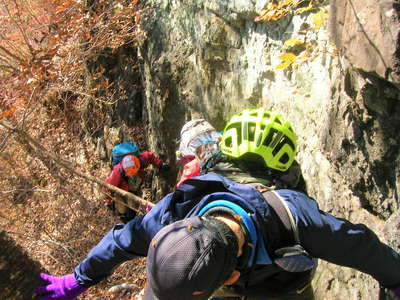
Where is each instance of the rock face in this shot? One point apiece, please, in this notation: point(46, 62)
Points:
point(210, 59)
point(368, 32)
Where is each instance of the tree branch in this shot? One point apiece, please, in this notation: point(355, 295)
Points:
point(140, 203)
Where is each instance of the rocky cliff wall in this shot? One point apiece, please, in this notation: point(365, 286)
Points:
point(210, 59)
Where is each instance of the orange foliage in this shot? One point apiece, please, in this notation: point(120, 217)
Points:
point(45, 47)
point(46, 43)
point(8, 113)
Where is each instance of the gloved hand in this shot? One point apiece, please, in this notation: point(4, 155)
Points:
point(59, 288)
point(164, 167)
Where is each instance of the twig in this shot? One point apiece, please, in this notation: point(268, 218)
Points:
point(26, 112)
point(70, 252)
point(20, 60)
point(47, 254)
point(27, 190)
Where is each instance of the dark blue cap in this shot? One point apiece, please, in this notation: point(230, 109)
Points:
point(190, 259)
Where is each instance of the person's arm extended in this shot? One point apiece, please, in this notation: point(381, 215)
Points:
point(122, 243)
point(116, 247)
point(343, 243)
point(115, 176)
point(150, 158)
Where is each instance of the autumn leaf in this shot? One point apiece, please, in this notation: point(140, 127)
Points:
point(7, 113)
point(302, 10)
point(293, 42)
point(319, 18)
point(275, 11)
point(287, 59)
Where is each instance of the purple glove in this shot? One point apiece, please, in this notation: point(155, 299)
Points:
point(59, 288)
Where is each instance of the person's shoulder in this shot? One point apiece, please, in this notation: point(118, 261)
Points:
point(293, 194)
point(117, 167)
point(146, 154)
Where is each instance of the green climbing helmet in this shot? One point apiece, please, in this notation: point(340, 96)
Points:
point(261, 132)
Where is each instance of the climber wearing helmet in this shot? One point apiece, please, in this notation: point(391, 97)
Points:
point(260, 136)
point(130, 165)
point(129, 175)
point(257, 147)
point(198, 142)
point(216, 237)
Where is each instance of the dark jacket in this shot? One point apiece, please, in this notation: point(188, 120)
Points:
point(321, 234)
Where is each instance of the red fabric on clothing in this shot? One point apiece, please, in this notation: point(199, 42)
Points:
point(190, 170)
point(148, 158)
point(115, 178)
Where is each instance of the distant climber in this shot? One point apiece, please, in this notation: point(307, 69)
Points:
point(128, 173)
point(214, 236)
point(198, 139)
point(257, 146)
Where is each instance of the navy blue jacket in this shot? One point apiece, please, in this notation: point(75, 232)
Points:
point(321, 234)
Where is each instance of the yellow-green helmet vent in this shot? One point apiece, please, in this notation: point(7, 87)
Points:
point(261, 132)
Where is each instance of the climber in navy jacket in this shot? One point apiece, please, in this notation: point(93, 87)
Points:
point(215, 234)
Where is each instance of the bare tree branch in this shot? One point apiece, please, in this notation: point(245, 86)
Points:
point(20, 60)
point(140, 203)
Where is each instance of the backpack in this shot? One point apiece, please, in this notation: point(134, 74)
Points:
point(120, 150)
